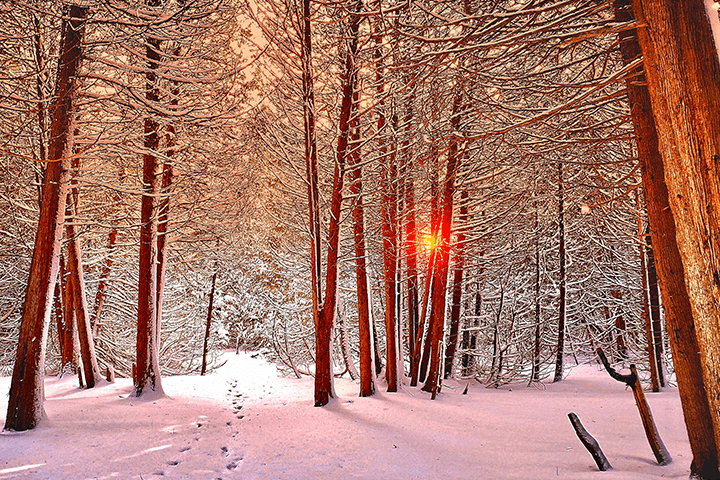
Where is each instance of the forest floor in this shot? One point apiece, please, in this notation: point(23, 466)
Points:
point(246, 421)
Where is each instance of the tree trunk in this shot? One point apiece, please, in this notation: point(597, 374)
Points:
point(147, 366)
point(671, 271)
point(654, 381)
point(457, 289)
point(25, 403)
point(423, 359)
point(79, 304)
point(470, 337)
point(311, 165)
point(208, 323)
point(367, 382)
point(655, 309)
point(103, 282)
point(440, 277)
point(562, 281)
point(535, 375)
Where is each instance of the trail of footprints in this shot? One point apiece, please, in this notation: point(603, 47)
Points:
point(234, 460)
point(236, 398)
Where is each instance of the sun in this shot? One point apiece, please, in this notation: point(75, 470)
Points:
point(428, 241)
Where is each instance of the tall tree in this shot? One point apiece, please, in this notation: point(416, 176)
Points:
point(25, 404)
point(147, 366)
point(677, 133)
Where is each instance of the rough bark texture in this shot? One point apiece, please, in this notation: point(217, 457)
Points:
point(25, 403)
point(659, 35)
point(80, 307)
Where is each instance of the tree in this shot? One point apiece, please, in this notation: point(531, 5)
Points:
point(683, 78)
point(25, 405)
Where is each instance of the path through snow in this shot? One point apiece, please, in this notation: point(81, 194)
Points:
point(245, 421)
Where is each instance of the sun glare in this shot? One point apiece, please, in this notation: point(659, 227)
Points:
point(428, 240)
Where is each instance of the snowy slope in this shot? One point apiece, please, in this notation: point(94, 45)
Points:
point(245, 421)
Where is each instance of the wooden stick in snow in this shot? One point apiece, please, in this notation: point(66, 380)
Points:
point(590, 443)
point(633, 381)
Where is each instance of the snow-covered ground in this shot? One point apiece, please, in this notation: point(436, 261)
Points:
point(245, 421)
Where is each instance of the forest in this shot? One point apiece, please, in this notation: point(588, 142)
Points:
point(402, 193)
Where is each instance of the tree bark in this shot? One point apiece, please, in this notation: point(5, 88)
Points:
point(25, 403)
point(590, 443)
point(672, 272)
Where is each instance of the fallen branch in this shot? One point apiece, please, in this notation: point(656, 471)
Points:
point(590, 443)
point(633, 381)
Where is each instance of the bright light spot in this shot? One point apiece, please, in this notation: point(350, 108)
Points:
point(20, 469)
point(585, 209)
point(428, 241)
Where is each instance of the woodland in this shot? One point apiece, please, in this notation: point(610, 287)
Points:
point(399, 192)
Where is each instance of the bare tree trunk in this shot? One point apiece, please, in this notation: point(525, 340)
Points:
point(457, 288)
point(103, 282)
point(367, 382)
point(208, 323)
point(470, 337)
point(654, 381)
point(535, 375)
point(672, 272)
point(25, 403)
point(147, 366)
point(655, 309)
point(311, 165)
point(80, 308)
point(440, 277)
point(563, 280)
point(421, 361)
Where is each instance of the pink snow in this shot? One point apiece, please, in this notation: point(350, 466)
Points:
point(247, 421)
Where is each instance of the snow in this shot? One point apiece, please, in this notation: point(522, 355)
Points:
point(246, 421)
point(711, 8)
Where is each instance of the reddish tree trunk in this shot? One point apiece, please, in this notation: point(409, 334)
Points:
point(79, 303)
point(440, 277)
point(25, 403)
point(671, 271)
point(147, 366)
point(367, 382)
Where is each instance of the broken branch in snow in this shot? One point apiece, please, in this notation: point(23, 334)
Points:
point(590, 443)
point(633, 381)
